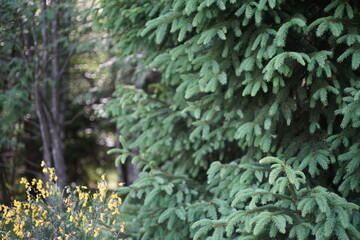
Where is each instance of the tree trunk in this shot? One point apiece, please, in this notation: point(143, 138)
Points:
point(50, 98)
point(119, 169)
point(132, 171)
point(3, 189)
point(57, 129)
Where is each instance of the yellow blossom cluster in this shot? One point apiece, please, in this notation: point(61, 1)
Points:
point(102, 208)
point(50, 172)
point(79, 215)
point(20, 212)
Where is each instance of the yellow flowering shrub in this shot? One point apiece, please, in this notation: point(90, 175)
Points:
point(48, 213)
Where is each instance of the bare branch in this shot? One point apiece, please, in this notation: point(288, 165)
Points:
point(75, 117)
point(66, 63)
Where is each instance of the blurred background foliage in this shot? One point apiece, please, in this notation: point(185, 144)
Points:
point(90, 82)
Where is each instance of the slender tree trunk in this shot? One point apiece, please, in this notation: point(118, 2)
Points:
point(3, 180)
point(131, 169)
point(50, 98)
point(119, 169)
point(44, 127)
point(57, 129)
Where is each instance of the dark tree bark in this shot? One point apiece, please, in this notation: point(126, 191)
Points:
point(4, 191)
point(50, 98)
point(132, 171)
point(119, 169)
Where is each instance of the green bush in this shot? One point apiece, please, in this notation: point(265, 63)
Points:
point(48, 214)
point(239, 81)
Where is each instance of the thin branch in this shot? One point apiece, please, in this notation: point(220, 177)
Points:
point(75, 117)
point(35, 124)
point(46, 109)
point(26, 170)
point(152, 166)
point(66, 63)
point(31, 163)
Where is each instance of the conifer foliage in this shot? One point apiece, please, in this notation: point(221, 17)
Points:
point(251, 129)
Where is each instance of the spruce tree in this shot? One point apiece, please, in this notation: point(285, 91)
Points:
point(251, 129)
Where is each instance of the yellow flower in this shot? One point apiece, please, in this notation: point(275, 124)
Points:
point(19, 233)
point(116, 211)
point(42, 164)
point(17, 204)
point(95, 196)
point(52, 175)
point(28, 196)
point(39, 185)
point(102, 190)
point(114, 196)
point(96, 232)
point(23, 180)
point(44, 214)
point(39, 222)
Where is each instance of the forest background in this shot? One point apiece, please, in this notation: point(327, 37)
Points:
point(87, 82)
point(241, 118)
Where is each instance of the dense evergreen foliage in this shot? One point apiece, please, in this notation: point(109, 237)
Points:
point(237, 82)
